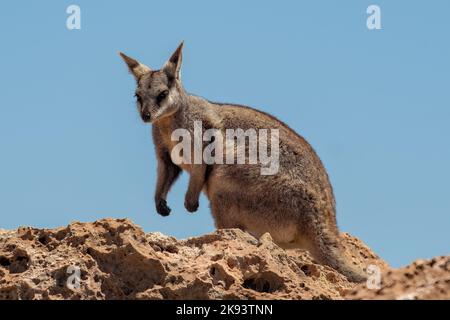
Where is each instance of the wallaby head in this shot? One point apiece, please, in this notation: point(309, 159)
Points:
point(159, 93)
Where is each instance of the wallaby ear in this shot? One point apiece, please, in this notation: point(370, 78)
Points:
point(136, 68)
point(173, 66)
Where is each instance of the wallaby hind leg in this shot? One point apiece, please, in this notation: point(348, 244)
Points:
point(225, 215)
point(300, 242)
point(231, 215)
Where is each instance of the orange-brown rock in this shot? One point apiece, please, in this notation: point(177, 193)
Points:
point(115, 259)
point(423, 279)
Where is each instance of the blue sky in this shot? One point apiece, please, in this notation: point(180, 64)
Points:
point(374, 104)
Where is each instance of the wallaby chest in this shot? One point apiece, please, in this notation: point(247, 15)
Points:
point(165, 130)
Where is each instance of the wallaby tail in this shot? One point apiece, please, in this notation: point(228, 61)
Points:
point(328, 250)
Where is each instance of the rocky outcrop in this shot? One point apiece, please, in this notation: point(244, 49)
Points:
point(423, 279)
point(115, 259)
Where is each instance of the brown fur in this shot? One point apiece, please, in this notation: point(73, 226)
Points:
point(296, 205)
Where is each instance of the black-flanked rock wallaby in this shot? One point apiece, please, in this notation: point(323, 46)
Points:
point(292, 200)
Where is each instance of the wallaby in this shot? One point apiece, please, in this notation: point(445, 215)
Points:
point(296, 205)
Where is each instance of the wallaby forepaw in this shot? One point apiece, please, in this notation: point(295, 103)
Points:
point(191, 206)
point(162, 208)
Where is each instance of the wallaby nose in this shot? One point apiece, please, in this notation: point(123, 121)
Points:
point(146, 116)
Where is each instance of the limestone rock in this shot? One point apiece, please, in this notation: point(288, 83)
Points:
point(115, 259)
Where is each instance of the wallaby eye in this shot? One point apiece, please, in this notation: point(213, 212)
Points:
point(138, 98)
point(162, 96)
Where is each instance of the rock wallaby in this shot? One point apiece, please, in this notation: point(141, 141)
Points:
point(295, 205)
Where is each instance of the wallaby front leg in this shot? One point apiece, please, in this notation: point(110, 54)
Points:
point(196, 181)
point(168, 172)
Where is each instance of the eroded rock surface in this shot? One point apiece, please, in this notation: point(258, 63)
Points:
point(115, 259)
point(423, 279)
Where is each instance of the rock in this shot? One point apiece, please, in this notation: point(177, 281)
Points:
point(115, 259)
point(423, 279)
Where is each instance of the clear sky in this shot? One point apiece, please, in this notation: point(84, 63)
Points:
point(374, 104)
